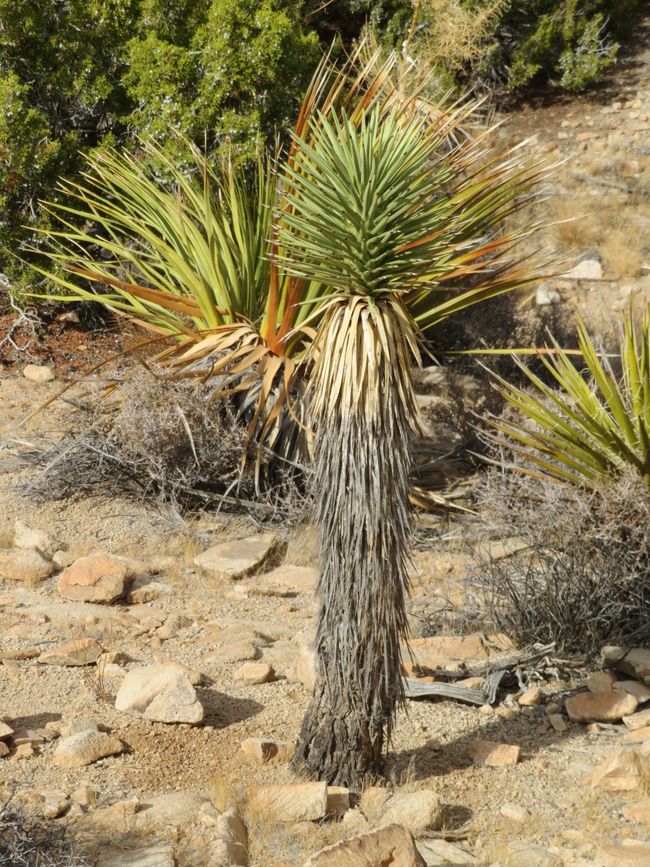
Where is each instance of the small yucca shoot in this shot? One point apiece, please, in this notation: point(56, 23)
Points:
point(595, 425)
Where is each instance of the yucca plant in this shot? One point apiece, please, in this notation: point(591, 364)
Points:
point(588, 425)
point(193, 255)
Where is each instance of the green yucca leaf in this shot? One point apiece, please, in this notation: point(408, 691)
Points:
point(593, 424)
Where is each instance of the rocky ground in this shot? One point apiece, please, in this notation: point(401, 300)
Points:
point(154, 671)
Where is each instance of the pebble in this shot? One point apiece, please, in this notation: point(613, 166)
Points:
point(38, 373)
point(254, 673)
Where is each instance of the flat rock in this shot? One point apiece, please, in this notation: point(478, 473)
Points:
point(494, 754)
point(100, 578)
point(86, 747)
point(629, 660)
point(254, 673)
point(446, 651)
point(587, 269)
point(390, 846)
point(298, 579)
point(38, 373)
point(438, 852)
point(161, 693)
point(152, 856)
point(524, 854)
point(628, 853)
point(239, 558)
point(639, 690)
point(292, 802)
point(29, 538)
point(83, 651)
point(26, 565)
point(608, 706)
point(622, 771)
point(638, 720)
point(172, 810)
point(238, 651)
point(600, 681)
point(416, 811)
point(145, 589)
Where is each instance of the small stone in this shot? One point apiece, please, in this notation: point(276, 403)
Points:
point(28, 538)
point(390, 846)
point(85, 796)
point(600, 681)
point(494, 754)
point(254, 673)
point(62, 559)
point(514, 812)
point(506, 712)
point(24, 751)
point(292, 802)
point(546, 295)
point(144, 589)
point(417, 811)
point(587, 269)
point(86, 747)
point(38, 373)
point(438, 852)
point(639, 690)
point(531, 697)
point(608, 706)
point(83, 651)
point(26, 565)
point(55, 805)
point(101, 578)
point(637, 720)
point(239, 558)
point(161, 693)
point(5, 731)
point(238, 651)
point(264, 751)
point(486, 710)
point(4, 750)
point(558, 722)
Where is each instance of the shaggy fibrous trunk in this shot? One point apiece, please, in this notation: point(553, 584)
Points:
point(364, 414)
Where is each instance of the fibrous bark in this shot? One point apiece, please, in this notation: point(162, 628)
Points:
point(364, 415)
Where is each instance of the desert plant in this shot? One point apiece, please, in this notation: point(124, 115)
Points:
point(592, 427)
point(28, 842)
point(583, 580)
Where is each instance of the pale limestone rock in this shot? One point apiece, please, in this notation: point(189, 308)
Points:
point(29, 538)
point(494, 754)
point(82, 651)
point(515, 813)
point(587, 269)
point(390, 846)
point(439, 852)
point(628, 853)
point(27, 565)
point(629, 660)
point(254, 673)
point(600, 681)
point(416, 811)
point(622, 771)
point(38, 373)
point(170, 811)
point(6, 731)
point(145, 589)
point(239, 558)
point(531, 697)
point(373, 801)
point(100, 578)
point(293, 802)
point(608, 706)
point(298, 579)
point(230, 849)
point(86, 747)
point(558, 722)
point(639, 690)
point(238, 651)
point(151, 856)
point(523, 854)
point(637, 736)
point(54, 805)
point(637, 720)
point(161, 693)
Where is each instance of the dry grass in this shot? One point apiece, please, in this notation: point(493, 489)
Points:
point(27, 842)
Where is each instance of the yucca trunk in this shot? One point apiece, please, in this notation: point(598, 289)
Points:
point(364, 415)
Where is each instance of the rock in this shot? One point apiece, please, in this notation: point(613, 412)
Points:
point(161, 693)
point(293, 802)
point(439, 852)
point(238, 651)
point(62, 559)
point(629, 853)
point(390, 846)
point(264, 751)
point(600, 681)
point(608, 706)
point(637, 736)
point(307, 665)
point(634, 661)
point(416, 811)
point(299, 579)
point(373, 801)
point(442, 651)
point(172, 811)
point(239, 558)
point(26, 565)
point(38, 373)
point(101, 578)
point(145, 589)
point(590, 268)
point(254, 673)
point(118, 818)
point(85, 796)
point(28, 538)
point(83, 651)
point(531, 697)
point(523, 854)
point(5, 731)
point(546, 295)
point(622, 771)
point(638, 720)
point(354, 822)
point(4, 750)
point(231, 846)
point(638, 811)
point(338, 800)
point(494, 754)
point(151, 856)
point(86, 747)
point(639, 690)
point(558, 722)
point(514, 812)
point(55, 804)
